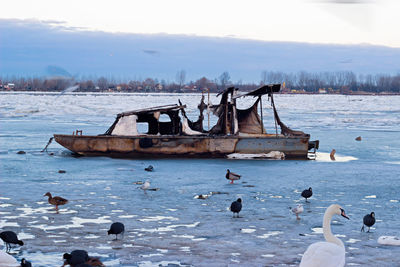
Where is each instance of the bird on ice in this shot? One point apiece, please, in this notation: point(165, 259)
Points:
point(145, 186)
point(368, 221)
point(56, 201)
point(9, 237)
point(236, 207)
point(297, 210)
point(307, 193)
point(232, 176)
point(116, 229)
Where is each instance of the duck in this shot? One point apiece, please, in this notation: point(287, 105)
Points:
point(232, 176)
point(368, 221)
point(236, 207)
point(93, 262)
point(75, 257)
point(307, 193)
point(149, 168)
point(7, 260)
point(116, 229)
point(80, 258)
point(297, 210)
point(56, 201)
point(330, 253)
point(9, 237)
point(25, 263)
point(145, 186)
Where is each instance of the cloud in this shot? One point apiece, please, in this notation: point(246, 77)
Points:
point(40, 48)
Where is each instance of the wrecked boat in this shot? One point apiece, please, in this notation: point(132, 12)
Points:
point(237, 131)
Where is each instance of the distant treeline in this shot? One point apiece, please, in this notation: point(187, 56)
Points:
point(330, 82)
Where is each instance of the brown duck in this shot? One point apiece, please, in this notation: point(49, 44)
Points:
point(56, 201)
point(232, 176)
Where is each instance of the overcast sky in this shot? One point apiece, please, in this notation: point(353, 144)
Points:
point(316, 21)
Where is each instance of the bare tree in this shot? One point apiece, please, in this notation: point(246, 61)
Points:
point(224, 79)
point(180, 78)
point(264, 75)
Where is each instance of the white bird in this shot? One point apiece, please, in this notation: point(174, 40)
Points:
point(330, 253)
point(7, 260)
point(297, 210)
point(145, 186)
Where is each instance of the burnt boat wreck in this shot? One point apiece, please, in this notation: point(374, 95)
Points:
point(237, 131)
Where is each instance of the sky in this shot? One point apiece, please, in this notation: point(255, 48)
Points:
point(313, 21)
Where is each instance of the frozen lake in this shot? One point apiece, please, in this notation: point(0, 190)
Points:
point(171, 226)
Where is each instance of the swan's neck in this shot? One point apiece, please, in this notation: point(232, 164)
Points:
point(329, 237)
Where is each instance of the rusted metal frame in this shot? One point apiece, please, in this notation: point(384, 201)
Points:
point(261, 113)
point(154, 109)
point(109, 131)
point(263, 90)
point(208, 109)
point(276, 124)
point(232, 116)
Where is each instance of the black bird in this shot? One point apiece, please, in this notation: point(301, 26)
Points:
point(307, 193)
point(368, 220)
point(149, 168)
point(236, 207)
point(9, 237)
point(116, 229)
point(25, 263)
point(76, 257)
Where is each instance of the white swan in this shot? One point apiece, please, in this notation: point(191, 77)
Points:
point(7, 260)
point(330, 253)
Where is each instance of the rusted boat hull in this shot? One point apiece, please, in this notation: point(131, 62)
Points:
point(183, 146)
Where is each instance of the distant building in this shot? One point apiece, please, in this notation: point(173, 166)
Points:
point(321, 91)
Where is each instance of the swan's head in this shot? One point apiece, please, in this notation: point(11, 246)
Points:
point(337, 209)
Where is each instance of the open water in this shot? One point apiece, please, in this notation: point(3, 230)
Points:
point(170, 227)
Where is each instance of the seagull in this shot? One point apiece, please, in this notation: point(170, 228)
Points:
point(145, 186)
point(368, 220)
point(236, 207)
point(232, 176)
point(297, 210)
point(56, 201)
point(9, 237)
point(307, 193)
point(116, 229)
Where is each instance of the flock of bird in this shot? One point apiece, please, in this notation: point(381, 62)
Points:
point(328, 253)
point(77, 258)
